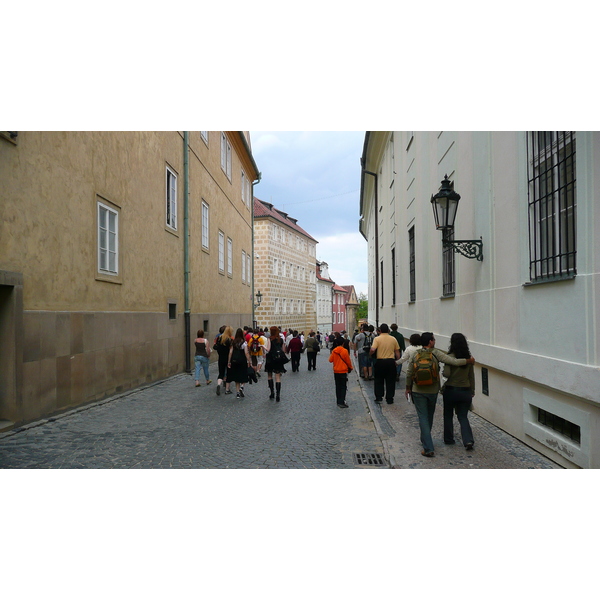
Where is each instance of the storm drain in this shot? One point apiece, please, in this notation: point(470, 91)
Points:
point(369, 459)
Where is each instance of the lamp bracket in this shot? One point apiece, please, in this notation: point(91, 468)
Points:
point(468, 248)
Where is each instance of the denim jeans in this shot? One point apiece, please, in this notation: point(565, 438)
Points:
point(457, 400)
point(201, 361)
point(425, 405)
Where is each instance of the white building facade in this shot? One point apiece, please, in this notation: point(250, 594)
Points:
point(530, 308)
point(324, 297)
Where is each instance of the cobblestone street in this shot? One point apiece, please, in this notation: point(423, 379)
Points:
point(172, 424)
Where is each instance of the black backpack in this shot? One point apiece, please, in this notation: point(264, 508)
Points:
point(368, 342)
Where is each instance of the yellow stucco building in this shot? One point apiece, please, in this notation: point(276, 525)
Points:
point(115, 248)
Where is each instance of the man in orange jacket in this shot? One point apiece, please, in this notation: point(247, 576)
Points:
point(342, 365)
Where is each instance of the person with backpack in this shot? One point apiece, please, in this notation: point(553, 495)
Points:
point(423, 384)
point(238, 363)
point(365, 359)
point(312, 347)
point(386, 348)
point(256, 343)
point(275, 363)
point(342, 365)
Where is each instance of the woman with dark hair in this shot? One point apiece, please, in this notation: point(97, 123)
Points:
point(458, 392)
point(238, 363)
point(276, 360)
point(295, 350)
point(222, 346)
point(202, 356)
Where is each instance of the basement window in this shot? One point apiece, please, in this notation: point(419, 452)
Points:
point(172, 311)
point(556, 423)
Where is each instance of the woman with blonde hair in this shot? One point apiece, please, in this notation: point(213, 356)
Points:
point(222, 345)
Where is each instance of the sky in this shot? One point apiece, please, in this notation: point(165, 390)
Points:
point(314, 176)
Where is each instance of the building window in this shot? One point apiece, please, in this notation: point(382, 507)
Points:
point(393, 276)
point(221, 251)
point(204, 136)
point(225, 155)
point(229, 257)
point(204, 225)
point(171, 199)
point(249, 269)
point(244, 199)
point(564, 427)
point(411, 265)
point(108, 240)
point(172, 311)
point(275, 267)
point(448, 284)
point(552, 204)
point(243, 266)
point(381, 280)
point(276, 310)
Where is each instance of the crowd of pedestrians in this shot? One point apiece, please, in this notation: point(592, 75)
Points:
point(380, 353)
point(243, 356)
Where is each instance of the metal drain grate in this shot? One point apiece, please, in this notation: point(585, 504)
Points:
point(369, 459)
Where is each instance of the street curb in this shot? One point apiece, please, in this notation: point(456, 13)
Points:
point(372, 410)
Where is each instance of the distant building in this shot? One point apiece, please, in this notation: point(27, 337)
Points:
point(338, 309)
point(284, 270)
point(352, 304)
point(116, 247)
point(324, 297)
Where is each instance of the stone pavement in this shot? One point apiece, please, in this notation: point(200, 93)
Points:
point(398, 427)
point(172, 424)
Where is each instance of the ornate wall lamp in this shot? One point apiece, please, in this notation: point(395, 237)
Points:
point(258, 299)
point(445, 205)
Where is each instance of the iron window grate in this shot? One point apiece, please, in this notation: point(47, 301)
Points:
point(369, 459)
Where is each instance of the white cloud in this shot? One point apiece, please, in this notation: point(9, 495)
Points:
point(346, 255)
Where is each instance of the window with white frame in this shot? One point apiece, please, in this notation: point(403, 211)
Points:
point(276, 309)
point(204, 225)
point(243, 266)
point(275, 267)
point(108, 240)
point(225, 155)
point(221, 251)
point(229, 257)
point(204, 136)
point(171, 199)
point(244, 199)
point(249, 192)
point(249, 269)
point(552, 204)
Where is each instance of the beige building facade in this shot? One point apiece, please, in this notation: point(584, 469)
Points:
point(115, 248)
point(530, 307)
point(284, 270)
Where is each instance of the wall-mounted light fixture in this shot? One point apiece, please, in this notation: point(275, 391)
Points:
point(258, 299)
point(445, 205)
